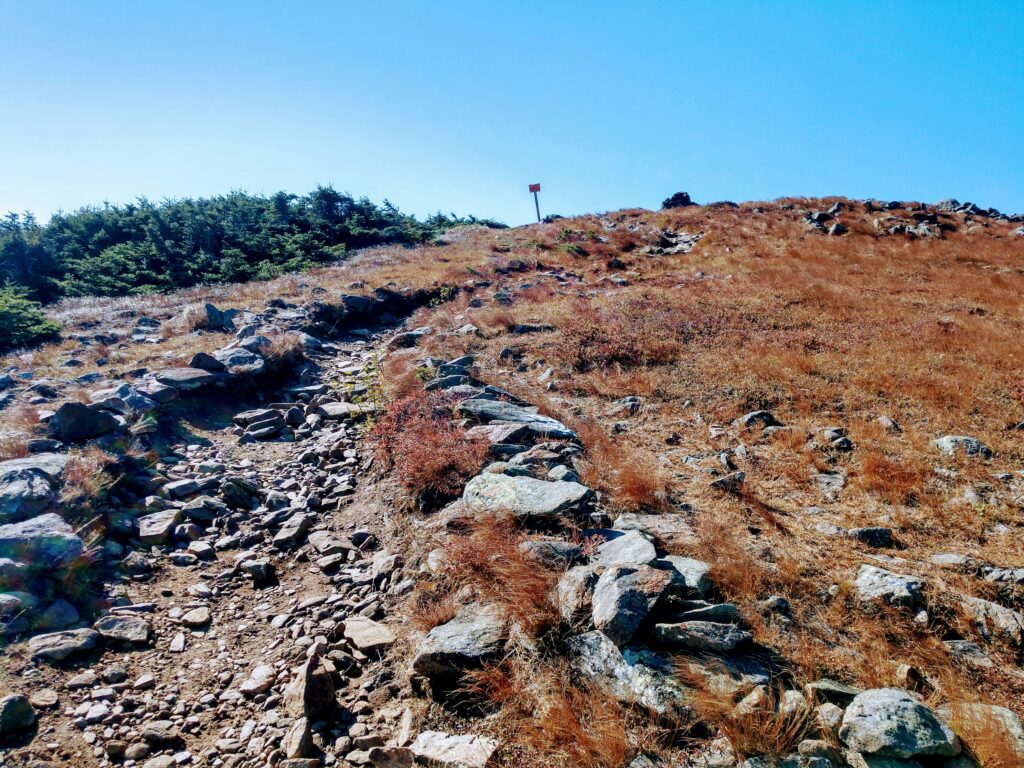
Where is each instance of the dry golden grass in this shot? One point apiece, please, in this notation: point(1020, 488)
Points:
point(762, 730)
point(85, 477)
point(488, 559)
point(546, 720)
point(431, 606)
point(13, 445)
point(630, 477)
point(985, 736)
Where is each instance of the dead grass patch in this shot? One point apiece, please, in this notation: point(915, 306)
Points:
point(763, 730)
point(489, 560)
point(549, 720)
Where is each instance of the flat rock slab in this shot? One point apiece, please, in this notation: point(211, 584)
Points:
point(367, 635)
point(444, 750)
point(156, 528)
point(672, 531)
point(57, 646)
point(341, 411)
point(524, 497)
point(889, 722)
point(498, 410)
point(498, 433)
point(124, 628)
point(701, 636)
point(188, 379)
point(50, 464)
point(476, 634)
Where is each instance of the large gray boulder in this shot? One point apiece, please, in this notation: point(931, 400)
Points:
point(45, 542)
point(16, 715)
point(618, 547)
point(968, 446)
point(476, 634)
point(214, 319)
point(23, 494)
point(890, 722)
point(27, 485)
point(498, 410)
point(123, 399)
point(575, 592)
point(689, 576)
point(241, 362)
point(74, 422)
point(628, 675)
point(878, 584)
point(49, 464)
point(524, 497)
point(624, 596)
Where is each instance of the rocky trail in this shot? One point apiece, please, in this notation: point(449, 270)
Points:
point(261, 591)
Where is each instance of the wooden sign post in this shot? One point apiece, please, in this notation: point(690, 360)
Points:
point(535, 188)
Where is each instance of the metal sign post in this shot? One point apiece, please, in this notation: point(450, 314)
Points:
point(535, 188)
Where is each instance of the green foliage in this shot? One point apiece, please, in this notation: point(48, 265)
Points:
point(21, 321)
point(144, 247)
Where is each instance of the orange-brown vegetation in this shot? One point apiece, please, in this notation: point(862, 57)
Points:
point(489, 560)
point(549, 721)
point(430, 457)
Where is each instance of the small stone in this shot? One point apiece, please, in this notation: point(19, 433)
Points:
point(196, 618)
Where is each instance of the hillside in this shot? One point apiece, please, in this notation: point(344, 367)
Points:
point(708, 486)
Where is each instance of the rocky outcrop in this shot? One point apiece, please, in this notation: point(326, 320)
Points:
point(524, 497)
point(889, 722)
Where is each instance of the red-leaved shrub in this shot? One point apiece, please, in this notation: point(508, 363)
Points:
point(430, 457)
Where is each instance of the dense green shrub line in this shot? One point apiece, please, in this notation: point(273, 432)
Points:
point(113, 250)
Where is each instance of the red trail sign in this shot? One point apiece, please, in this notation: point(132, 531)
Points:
point(535, 188)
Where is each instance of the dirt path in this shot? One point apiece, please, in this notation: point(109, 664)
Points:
point(213, 684)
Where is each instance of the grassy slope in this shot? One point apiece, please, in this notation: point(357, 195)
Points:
point(763, 313)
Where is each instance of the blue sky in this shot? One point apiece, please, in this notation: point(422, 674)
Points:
point(457, 106)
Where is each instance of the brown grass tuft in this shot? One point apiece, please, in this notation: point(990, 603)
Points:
point(285, 351)
point(85, 476)
point(631, 477)
point(489, 560)
point(761, 730)
point(13, 445)
point(985, 736)
point(548, 720)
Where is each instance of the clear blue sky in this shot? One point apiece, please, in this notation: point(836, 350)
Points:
point(457, 106)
